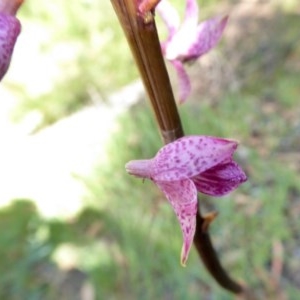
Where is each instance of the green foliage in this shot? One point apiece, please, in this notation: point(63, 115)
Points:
point(20, 254)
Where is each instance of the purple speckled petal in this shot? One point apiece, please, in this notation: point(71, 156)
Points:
point(183, 80)
point(183, 197)
point(220, 180)
point(9, 30)
point(189, 156)
point(207, 36)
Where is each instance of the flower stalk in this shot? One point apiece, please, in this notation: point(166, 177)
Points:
point(140, 31)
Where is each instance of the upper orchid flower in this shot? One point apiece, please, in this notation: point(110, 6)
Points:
point(10, 28)
point(188, 41)
point(189, 165)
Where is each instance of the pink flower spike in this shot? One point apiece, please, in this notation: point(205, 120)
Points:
point(10, 28)
point(188, 165)
point(190, 40)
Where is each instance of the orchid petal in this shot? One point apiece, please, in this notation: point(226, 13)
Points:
point(178, 36)
point(208, 35)
point(169, 15)
point(183, 80)
point(220, 180)
point(180, 43)
point(189, 156)
point(191, 14)
point(9, 30)
point(182, 195)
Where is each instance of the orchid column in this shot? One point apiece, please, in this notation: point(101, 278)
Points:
point(137, 20)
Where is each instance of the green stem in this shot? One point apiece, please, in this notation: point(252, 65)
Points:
point(141, 34)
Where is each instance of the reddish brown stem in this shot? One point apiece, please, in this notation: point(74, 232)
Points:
point(144, 43)
point(210, 259)
point(141, 34)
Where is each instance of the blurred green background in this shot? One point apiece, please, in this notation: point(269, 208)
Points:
point(124, 241)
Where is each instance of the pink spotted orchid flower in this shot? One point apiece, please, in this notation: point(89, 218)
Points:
point(188, 41)
point(10, 28)
point(189, 165)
